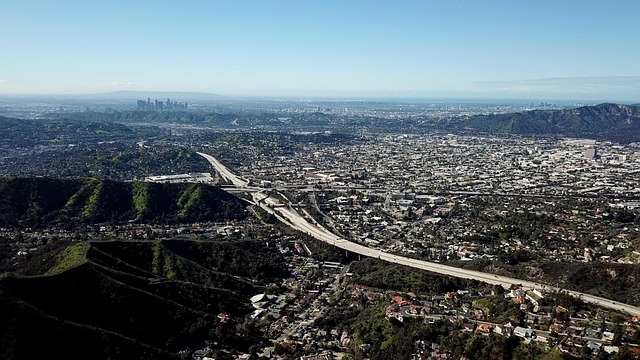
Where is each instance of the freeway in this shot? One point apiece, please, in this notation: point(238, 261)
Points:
point(320, 233)
point(224, 172)
point(291, 217)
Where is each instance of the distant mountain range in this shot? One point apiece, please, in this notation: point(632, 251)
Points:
point(612, 121)
point(160, 95)
point(125, 95)
point(616, 122)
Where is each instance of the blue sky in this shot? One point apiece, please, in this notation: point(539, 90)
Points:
point(569, 49)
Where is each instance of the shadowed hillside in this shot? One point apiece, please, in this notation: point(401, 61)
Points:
point(130, 299)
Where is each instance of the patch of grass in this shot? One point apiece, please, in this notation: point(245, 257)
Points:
point(140, 197)
point(482, 304)
point(169, 267)
point(189, 199)
point(163, 263)
point(73, 256)
point(91, 207)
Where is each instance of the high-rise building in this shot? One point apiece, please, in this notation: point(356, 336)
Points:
point(159, 105)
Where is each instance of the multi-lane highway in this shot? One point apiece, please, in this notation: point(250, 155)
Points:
point(300, 223)
point(289, 216)
point(224, 172)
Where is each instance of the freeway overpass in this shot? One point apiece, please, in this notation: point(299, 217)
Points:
point(286, 214)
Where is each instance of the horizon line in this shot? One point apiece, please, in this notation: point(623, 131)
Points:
point(227, 96)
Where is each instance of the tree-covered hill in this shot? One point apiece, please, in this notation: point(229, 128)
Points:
point(611, 121)
point(131, 116)
point(32, 202)
point(129, 300)
point(29, 132)
point(609, 280)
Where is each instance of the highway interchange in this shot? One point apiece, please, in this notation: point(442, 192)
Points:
point(289, 216)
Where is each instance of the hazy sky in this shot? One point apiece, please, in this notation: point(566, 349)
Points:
point(556, 49)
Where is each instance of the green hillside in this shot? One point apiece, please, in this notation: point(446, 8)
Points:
point(130, 299)
point(27, 132)
point(612, 121)
point(33, 202)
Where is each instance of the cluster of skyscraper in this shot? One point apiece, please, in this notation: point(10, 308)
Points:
point(159, 105)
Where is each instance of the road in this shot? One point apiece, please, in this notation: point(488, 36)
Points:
point(286, 214)
point(297, 221)
point(310, 188)
point(224, 172)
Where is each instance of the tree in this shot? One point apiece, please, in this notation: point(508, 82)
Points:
point(624, 353)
